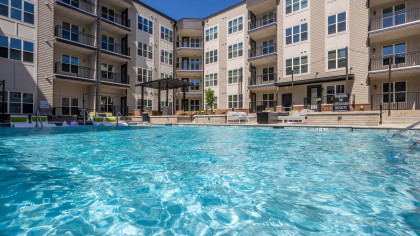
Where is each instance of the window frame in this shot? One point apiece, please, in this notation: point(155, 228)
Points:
point(291, 34)
point(211, 80)
point(211, 57)
point(292, 4)
point(335, 25)
point(239, 26)
point(235, 50)
point(149, 50)
point(148, 27)
point(167, 34)
point(336, 59)
point(394, 92)
point(231, 76)
point(211, 33)
point(146, 75)
point(148, 102)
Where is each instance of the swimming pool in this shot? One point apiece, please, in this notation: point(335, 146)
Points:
point(207, 181)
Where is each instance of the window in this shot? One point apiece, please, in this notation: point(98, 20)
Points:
point(5, 101)
point(145, 24)
point(108, 43)
point(235, 50)
point(166, 57)
point(194, 105)
point(28, 51)
point(211, 57)
point(15, 49)
point(69, 106)
point(15, 102)
point(397, 50)
point(196, 84)
point(70, 64)
point(211, 80)
point(16, 9)
point(164, 76)
point(145, 50)
point(211, 34)
point(268, 100)
point(195, 64)
point(107, 71)
point(70, 31)
point(337, 23)
point(394, 15)
point(195, 43)
point(297, 33)
point(28, 15)
point(144, 75)
point(233, 101)
point(108, 14)
point(331, 90)
point(4, 8)
point(296, 5)
point(336, 59)
point(268, 74)
point(235, 25)
point(4, 46)
point(268, 47)
point(399, 95)
point(299, 65)
point(146, 103)
point(234, 76)
point(18, 102)
point(166, 34)
point(107, 104)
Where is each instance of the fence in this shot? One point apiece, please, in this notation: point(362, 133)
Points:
point(399, 101)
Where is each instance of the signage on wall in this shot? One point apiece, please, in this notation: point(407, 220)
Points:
point(44, 104)
point(341, 102)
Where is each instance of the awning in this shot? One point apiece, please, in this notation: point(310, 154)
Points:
point(314, 81)
point(165, 84)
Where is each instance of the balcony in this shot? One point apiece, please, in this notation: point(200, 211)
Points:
point(75, 9)
point(112, 78)
point(73, 38)
point(189, 69)
point(115, 51)
point(399, 101)
point(261, 55)
point(266, 80)
point(406, 22)
point(189, 49)
point(401, 62)
point(74, 72)
point(268, 105)
point(115, 23)
point(258, 7)
point(263, 27)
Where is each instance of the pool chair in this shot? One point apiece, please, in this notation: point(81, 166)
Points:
point(44, 120)
point(112, 121)
point(244, 117)
point(20, 122)
point(108, 114)
point(232, 117)
point(98, 121)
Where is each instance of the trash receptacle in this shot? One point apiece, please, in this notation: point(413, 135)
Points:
point(145, 116)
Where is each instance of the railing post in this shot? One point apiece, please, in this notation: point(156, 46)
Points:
point(37, 116)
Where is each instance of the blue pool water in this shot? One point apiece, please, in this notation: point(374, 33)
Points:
point(207, 181)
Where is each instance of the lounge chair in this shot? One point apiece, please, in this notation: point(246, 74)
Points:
point(232, 117)
point(98, 121)
point(108, 114)
point(20, 122)
point(243, 116)
point(44, 120)
point(112, 121)
point(296, 117)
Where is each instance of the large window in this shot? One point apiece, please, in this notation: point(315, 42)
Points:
point(164, 76)
point(235, 25)
point(166, 34)
point(268, 47)
point(17, 102)
point(336, 59)
point(69, 106)
point(107, 104)
point(194, 105)
point(211, 80)
point(195, 64)
point(107, 71)
point(234, 76)
point(196, 84)
point(70, 64)
point(211, 57)
point(16, 49)
point(214, 104)
point(334, 89)
point(297, 34)
point(108, 14)
point(268, 100)
point(166, 57)
point(394, 15)
point(146, 103)
point(299, 65)
point(398, 92)
point(337, 23)
point(145, 24)
point(235, 50)
point(211, 34)
point(18, 10)
point(108, 43)
point(234, 101)
point(144, 75)
point(398, 50)
point(70, 31)
point(195, 43)
point(145, 50)
point(268, 74)
point(295, 5)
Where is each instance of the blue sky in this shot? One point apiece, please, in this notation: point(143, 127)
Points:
point(178, 9)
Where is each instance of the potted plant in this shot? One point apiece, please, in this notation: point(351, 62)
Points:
point(209, 98)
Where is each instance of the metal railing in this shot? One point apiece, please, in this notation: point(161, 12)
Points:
point(119, 114)
point(315, 103)
point(395, 18)
point(115, 47)
point(181, 44)
point(399, 101)
point(189, 66)
point(38, 118)
point(262, 50)
point(263, 79)
point(115, 77)
point(262, 21)
point(74, 35)
point(396, 60)
point(81, 4)
point(74, 70)
point(268, 105)
point(116, 18)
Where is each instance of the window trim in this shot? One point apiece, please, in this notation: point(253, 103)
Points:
point(291, 36)
point(336, 60)
point(291, 6)
point(239, 99)
point(147, 103)
point(394, 93)
point(237, 25)
point(336, 23)
point(148, 51)
point(239, 79)
point(237, 50)
point(209, 57)
point(214, 34)
point(7, 102)
point(293, 66)
point(170, 34)
point(213, 77)
point(149, 77)
point(142, 24)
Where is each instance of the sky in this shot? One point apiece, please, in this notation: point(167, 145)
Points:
point(178, 9)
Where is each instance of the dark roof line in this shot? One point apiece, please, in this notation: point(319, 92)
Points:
point(154, 10)
point(224, 10)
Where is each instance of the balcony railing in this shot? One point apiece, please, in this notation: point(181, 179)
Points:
point(74, 70)
point(395, 18)
point(399, 101)
point(396, 60)
point(74, 35)
point(195, 45)
point(116, 18)
point(262, 21)
point(196, 66)
point(115, 47)
point(115, 77)
point(81, 4)
point(262, 50)
point(263, 79)
point(268, 105)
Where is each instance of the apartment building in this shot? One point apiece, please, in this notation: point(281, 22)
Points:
point(281, 54)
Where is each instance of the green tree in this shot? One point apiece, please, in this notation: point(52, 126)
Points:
point(209, 98)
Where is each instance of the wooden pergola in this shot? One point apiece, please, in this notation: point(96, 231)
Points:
point(163, 84)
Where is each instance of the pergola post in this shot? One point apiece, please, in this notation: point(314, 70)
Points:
point(142, 99)
point(159, 98)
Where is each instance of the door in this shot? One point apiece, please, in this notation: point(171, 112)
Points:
point(253, 76)
point(123, 106)
point(253, 20)
point(123, 74)
point(185, 62)
point(286, 101)
point(124, 46)
point(253, 48)
point(314, 97)
point(185, 42)
point(253, 106)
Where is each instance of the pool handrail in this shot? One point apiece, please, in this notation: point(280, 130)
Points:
point(406, 129)
point(38, 117)
point(416, 143)
point(119, 113)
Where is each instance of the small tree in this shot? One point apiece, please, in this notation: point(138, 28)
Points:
point(209, 98)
